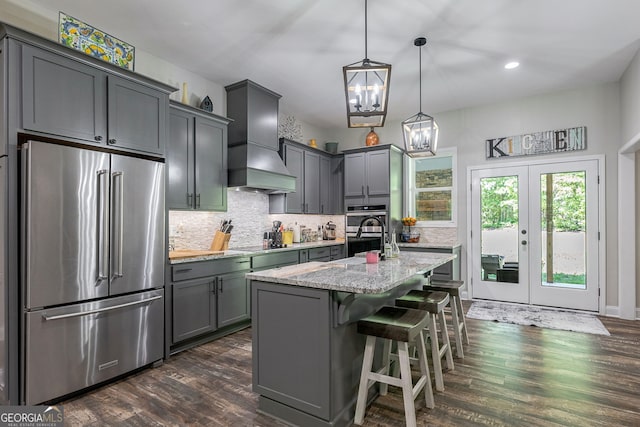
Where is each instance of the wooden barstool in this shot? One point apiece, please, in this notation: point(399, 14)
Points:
point(452, 287)
point(433, 303)
point(403, 326)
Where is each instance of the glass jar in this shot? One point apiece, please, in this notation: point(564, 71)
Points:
point(395, 249)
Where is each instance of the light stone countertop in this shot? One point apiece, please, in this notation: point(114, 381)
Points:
point(354, 275)
point(257, 250)
point(431, 245)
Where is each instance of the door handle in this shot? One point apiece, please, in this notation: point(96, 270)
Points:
point(103, 225)
point(118, 219)
point(99, 310)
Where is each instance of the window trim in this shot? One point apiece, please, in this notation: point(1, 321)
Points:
point(410, 186)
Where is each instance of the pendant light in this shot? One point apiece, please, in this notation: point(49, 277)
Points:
point(420, 131)
point(366, 87)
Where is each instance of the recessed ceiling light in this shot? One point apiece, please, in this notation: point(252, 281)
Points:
point(511, 65)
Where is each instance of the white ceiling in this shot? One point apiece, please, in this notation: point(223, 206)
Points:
point(298, 47)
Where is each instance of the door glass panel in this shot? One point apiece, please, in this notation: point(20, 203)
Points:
point(499, 240)
point(563, 224)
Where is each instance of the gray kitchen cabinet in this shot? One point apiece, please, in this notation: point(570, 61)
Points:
point(366, 174)
point(294, 160)
point(320, 254)
point(274, 259)
point(137, 116)
point(63, 97)
point(373, 176)
point(448, 271)
point(196, 160)
point(318, 189)
point(337, 252)
point(336, 186)
point(70, 98)
point(311, 182)
point(209, 299)
point(234, 303)
point(326, 186)
point(194, 308)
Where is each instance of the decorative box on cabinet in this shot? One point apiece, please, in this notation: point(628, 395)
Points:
point(197, 160)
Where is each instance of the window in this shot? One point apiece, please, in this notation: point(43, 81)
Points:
point(432, 189)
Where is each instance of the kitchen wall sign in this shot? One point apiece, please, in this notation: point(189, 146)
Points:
point(546, 142)
point(81, 36)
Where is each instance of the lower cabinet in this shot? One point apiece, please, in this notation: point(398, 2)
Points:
point(194, 308)
point(234, 303)
point(448, 271)
point(207, 297)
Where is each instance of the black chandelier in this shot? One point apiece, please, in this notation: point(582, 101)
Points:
point(366, 87)
point(420, 131)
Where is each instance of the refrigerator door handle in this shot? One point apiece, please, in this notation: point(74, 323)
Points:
point(118, 198)
point(103, 225)
point(100, 310)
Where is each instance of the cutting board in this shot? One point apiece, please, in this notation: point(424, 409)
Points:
point(188, 253)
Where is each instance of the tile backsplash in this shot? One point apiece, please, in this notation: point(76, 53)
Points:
point(249, 212)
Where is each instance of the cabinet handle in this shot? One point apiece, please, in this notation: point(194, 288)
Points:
point(322, 208)
point(306, 209)
point(363, 190)
point(367, 190)
point(189, 199)
point(198, 200)
point(221, 284)
point(98, 138)
point(184, 270)
point(111, 141)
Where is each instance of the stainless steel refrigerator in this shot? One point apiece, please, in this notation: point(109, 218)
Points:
point(92, 267)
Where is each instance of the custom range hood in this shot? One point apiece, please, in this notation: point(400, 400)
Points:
point(253, 160)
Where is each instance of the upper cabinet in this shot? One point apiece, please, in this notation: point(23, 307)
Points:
point(67, 97)
point(196, 160)
point(372, 175)
point(317, 189)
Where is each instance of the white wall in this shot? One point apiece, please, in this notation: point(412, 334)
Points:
point(630, 101)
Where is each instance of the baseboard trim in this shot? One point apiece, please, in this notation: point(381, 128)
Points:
point(612, 311)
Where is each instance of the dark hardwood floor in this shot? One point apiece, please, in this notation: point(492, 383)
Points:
point(511, 376)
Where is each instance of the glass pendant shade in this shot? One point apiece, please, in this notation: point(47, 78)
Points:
point(420, 135)
point(366, 87)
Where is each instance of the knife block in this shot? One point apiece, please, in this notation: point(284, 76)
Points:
point(220, 241)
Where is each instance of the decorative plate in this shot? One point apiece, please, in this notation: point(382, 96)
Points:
point(78, 35)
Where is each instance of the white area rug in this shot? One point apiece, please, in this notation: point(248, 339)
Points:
point(537, 316)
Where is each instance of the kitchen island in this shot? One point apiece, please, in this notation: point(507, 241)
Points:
point(307, 354)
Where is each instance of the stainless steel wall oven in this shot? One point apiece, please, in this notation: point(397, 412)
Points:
point(370, 235)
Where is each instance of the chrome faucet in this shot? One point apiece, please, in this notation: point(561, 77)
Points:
point(359, 233)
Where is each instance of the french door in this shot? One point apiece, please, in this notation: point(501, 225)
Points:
point(535, 234)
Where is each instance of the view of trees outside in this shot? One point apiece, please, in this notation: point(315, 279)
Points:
point(499, 201)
